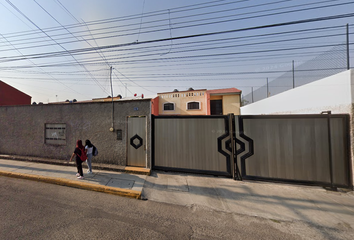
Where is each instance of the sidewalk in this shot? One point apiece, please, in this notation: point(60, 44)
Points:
point(113, 182)
point(280, 203)
point(305, 210)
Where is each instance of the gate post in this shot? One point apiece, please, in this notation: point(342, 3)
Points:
point(232, 131)
point(330, 148)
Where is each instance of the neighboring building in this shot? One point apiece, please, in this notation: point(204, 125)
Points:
point(155, 106)
point(10, 96)
point(334, 93)
point(200, 102)
point(107, 99)
point(224, 101)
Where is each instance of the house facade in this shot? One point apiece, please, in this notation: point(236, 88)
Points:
point(200, 102)
point(10, 96)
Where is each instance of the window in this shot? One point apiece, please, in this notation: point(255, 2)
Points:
point(55, 133)
point(168, 106)
point(193, 105)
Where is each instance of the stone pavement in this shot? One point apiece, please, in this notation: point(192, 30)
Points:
point(274, 201)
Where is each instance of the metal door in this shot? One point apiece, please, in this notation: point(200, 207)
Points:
point(136, 141)
point(215, 107)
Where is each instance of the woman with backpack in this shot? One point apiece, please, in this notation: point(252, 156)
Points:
point(88, 149)
point(80, 155)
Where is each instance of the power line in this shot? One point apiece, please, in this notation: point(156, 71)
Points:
point(188, 48)
point(154, 77)
point(211, 33)
point(218, 41)
point(150, 14)
point(60, 44)
point(235, 19)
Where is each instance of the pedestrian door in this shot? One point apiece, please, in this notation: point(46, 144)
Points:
point(136, 141)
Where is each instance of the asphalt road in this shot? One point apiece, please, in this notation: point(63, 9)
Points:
point(34, 210)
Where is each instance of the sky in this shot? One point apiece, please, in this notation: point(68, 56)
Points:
point(57, 50)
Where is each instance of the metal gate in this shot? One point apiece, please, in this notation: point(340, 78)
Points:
point(136, 142)
point(307, 149)
point(191, 144)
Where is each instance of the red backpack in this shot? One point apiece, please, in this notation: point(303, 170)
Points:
point(83, 155)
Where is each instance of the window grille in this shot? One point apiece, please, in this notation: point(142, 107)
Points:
point(193, 105)
point(55, 133)
point(168, 107)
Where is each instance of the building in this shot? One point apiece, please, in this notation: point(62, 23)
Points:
point(200, 102)
point(224, 101)
point(334, 93)
point(330, 95)
point(10, 96)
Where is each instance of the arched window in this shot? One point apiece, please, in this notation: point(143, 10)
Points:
point(193, 105)
point(168, 106)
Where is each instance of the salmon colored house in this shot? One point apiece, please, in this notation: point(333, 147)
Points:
point(10, 96)
point(200, 102)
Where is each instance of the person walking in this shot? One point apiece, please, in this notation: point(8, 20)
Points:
point(79, 150)
point(88, 149)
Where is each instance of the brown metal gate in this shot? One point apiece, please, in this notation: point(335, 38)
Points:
point(305, 149)
point(308, 149)
point(192, 144)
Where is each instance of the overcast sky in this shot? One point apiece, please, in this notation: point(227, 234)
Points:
point(54, 50)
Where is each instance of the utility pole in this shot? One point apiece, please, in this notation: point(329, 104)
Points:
point(110, 78)
point(252, 94)
point(293, 75)
point(267, 88)
point(348, 63)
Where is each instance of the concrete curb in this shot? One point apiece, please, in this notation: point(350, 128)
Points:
point(137, 170)
point(75, 184)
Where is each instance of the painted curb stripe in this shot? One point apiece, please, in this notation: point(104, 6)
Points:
point(136, 170)
point(75, 184)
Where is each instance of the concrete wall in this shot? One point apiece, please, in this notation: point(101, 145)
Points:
point(22, 128)
point(334, 93)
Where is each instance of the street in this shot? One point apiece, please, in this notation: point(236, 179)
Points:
point(34, 210)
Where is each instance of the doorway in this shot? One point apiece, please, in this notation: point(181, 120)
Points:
point(216, 107)
point(136, 141)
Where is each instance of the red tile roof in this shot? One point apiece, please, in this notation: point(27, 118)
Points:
point(225, 90)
